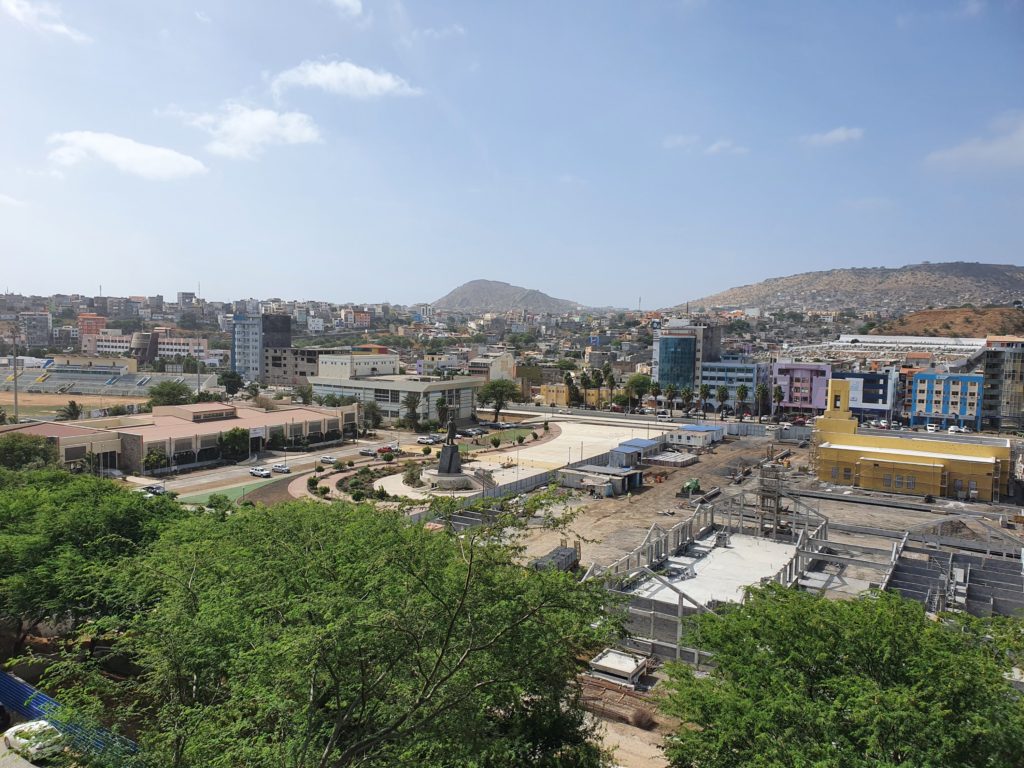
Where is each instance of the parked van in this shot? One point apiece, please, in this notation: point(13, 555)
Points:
point(931, 428)
point(664, 417)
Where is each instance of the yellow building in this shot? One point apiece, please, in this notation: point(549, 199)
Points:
point(558, 394)
point(959, 467)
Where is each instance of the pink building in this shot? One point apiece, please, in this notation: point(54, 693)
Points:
point(804, 385)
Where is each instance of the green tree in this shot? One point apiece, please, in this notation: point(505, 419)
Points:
point(609, 381)
point(411, 403)
point(498, 393)
point(703, 395)
point(777, 397)
point(671, 395)
point(585, 385)
point(495, 441)
point(70, 412)
point(372, 417)
point(441, 404)
point(253, 389)
point(60, 536)
point(170, 393)
point(761, 397)
point(3, 416)
point(18, 451)
point(303, 393)
point(686, 396)
point(258, 647)
point(234, 444)
point(742, 392)
point(802, 680)
point(638, 385)
point(231, 381)
point(155, 459)
point(722, 396)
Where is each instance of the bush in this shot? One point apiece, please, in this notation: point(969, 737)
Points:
point(381, 494)
point(546, 427)
point(358, 496)
point(520, 439)
point(495, 441)
point(388, 457)
point(534, 435)
point(322, 492)
point(311, 482)
point(350, 463)
point(426, 450)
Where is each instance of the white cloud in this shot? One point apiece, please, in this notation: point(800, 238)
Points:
point(12, 201)
point(241, 131)
point(128, 156)
point(42, 17)
point(348, 7)
point(1003, 150)
point(839, 135)
point(679, 141)
point(203, 17)
point(433, 34)
point(343, 78)
point(725, 147)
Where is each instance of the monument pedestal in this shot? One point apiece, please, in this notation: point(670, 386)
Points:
point(449, 475)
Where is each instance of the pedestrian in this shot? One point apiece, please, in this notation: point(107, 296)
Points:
point(629, 497)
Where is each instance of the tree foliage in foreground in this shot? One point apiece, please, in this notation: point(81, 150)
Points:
point(805, 681)
point(61, 537)
point(334, 635)
point(19, 451)
point(170, 393)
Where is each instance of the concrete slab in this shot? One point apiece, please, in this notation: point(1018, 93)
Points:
point(724, 572)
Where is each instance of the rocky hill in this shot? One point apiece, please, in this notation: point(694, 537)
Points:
point(478, 296)
point(965, 321)
point(902, 289)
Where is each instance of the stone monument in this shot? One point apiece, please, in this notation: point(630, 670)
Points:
point(449, 475)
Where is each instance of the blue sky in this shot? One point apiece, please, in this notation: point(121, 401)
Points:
point(611, 153)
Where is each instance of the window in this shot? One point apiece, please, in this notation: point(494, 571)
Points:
point(958, 485)
point(911, 482)
point(847, 473)
point(899, 481)
point(887, 481)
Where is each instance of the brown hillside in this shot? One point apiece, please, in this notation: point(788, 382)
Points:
point(963, 321)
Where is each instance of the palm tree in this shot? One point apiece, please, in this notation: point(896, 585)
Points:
point(411, 403)
point(761, 397)
point(609, 381)
point(686, 396)
point(778, 396)
point(722, 396)
point(585, 385)
point(671, 393)
point(442, 410)
point(70, 412)
point(704, 394)
point(741, 398)
point(655, 391)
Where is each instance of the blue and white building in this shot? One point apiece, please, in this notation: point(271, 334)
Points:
point(946, 399)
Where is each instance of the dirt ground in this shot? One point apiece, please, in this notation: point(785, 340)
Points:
point(633, 747)
point(44, 405)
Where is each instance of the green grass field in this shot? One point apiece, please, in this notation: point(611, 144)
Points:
point(235, 494)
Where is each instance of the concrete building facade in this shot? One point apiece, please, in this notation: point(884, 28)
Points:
point(804, 385)
point(1003, 371)
point(954, 467)
point(732, 372)
point(388, 392)
point(680, 350)
point(946, 399)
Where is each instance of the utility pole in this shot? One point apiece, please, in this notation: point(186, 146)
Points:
point(14, 365)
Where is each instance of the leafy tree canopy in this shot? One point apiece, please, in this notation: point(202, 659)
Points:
point(499, 393)
point(170, 393)
point(18, 451)
point(338, 635)
point(804, 681)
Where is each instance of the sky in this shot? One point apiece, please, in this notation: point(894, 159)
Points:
point(626, 154)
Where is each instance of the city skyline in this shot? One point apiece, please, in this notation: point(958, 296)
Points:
point(364, 151)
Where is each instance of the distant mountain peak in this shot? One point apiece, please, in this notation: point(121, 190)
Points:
point(906, 288)
point(497, 296)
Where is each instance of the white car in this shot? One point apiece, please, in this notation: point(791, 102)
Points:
point(259, 472)
point(284, 469)
point(34, 740)
point(771, 428)
point(327, 459)
point(426, 440)
point(931, 428)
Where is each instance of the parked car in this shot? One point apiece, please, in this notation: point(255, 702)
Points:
point(284, 469)
point(156, 490)
point(427, 440)
point(367, 452)
point(327, 459)
point(664, 417)
point(259, 472)
point(771, 428)
point(34, 740)
point(931, 428)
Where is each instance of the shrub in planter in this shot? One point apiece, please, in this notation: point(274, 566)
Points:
point(534, 435)
point(495, 441)
point(388, 457)
point(311, 483)
point(426, 450)
point(350, 463)
point(546, 427)
point(520, 439)
point(381, 494)
point(358, 496)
